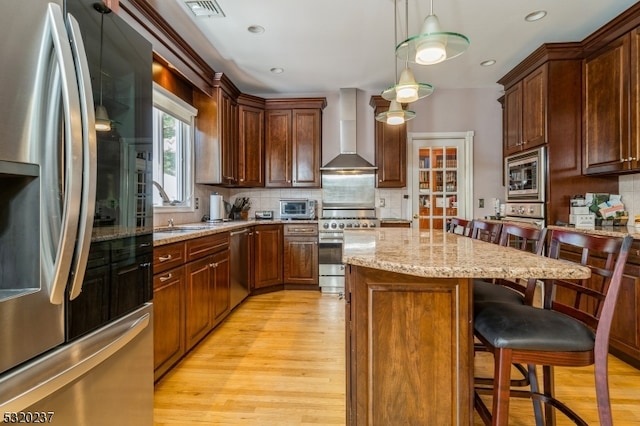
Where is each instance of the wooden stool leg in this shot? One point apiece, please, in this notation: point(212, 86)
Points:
point(602, 389)
point(549, 412)
point(537, 404)
point(501, 387)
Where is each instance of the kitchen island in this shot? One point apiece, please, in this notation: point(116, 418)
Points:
point(409, 335)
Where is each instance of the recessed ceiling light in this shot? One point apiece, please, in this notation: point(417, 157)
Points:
point(535, 16)
point(488, 62)
point(277, 70)
point(255, 29)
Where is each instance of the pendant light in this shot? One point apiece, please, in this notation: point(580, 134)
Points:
point(432, 45)
point(407, 90)
point(395, 114)
point(103, 123)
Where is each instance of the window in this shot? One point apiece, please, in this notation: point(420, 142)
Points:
point(173, 122)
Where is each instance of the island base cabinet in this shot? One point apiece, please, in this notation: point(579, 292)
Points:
point(409, 349)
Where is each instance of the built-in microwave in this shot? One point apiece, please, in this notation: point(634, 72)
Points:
point(298, 208)
point(525, 176)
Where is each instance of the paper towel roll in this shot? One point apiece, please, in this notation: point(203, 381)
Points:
point(216, 207)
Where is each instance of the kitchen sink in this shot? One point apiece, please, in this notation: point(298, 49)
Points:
point(179, 229)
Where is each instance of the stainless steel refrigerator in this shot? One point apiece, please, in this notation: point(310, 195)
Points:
point(76, 339)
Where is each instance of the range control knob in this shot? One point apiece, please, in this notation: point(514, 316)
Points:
point(349, 225)
point(341, 225)
point(356, 225)
point(325, 225)
point(333, 225)
point(365, 225)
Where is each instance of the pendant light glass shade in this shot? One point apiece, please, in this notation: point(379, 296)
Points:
point(432, 45)
point(407, 90)
point(395, 115)
point(103, 123)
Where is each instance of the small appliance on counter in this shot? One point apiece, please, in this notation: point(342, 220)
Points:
point(264, 215)
point(298, 208)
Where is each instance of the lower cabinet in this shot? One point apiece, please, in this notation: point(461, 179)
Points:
point(168, 319)
point(624, 340)
point(625, 329)
point(268, 269)
point(191, 295)
point(301, 254)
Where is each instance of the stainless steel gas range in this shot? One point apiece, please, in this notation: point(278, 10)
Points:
point(330, 239)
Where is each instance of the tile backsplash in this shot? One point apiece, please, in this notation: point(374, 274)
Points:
point(395, 204)
point(629, 188)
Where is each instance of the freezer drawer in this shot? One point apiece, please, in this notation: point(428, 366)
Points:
point(104, 378)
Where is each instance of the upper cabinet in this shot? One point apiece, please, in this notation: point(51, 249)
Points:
point(525, 112)
point(250, 166)
point(547, 87)
point(390, 148)
point(293, 138)
point(611, 112)
point(216, 138)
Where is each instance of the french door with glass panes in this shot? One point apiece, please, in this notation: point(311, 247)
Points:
point(442, 172)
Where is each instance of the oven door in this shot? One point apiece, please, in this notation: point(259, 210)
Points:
point(525, 176)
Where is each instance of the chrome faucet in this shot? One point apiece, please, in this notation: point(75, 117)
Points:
point(163, 193)
point(170, 223)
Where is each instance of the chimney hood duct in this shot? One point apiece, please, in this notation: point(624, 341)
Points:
point(348, 159)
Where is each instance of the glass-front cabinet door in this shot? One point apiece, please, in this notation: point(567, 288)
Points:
point(440, 181)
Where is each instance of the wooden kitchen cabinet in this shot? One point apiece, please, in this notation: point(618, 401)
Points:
point(525, 113)
point(301, 254)
point(293, 138)
point(390, 148)
point(408, 349)
point(250, 167)
point(216, 133)
point(207, 285)
point(625, 329)
point(168, 319)
point(268, 255)
point(549, 81)
point(611, 112)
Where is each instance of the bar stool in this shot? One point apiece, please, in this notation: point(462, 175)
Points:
point(485, 231)
point(571, 330)
point(505, 290)
point(456, 225)
point(521, 237)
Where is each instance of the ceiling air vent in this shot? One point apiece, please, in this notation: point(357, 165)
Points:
point(205, 9)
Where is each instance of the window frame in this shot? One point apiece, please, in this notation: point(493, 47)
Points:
point(167, 102)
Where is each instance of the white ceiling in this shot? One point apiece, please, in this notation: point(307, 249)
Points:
point(324, 45)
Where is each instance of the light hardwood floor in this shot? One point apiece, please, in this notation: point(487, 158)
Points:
point(279, 360)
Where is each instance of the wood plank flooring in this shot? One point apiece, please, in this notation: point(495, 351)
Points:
point(279, 360)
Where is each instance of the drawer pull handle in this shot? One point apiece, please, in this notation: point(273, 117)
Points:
point(165, 258)
point(213, 265)
point(166, 277)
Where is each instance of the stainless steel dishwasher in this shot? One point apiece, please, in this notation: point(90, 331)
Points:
point(240, 265)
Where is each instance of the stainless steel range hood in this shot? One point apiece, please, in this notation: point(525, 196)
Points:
point(348, 159)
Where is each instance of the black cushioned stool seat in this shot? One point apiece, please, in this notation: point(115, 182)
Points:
point(484, 291)
point(523, 327)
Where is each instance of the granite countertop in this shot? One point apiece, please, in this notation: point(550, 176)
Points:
point(446, 255)
point(615, 231)
point(607, 231)
point(187, 231)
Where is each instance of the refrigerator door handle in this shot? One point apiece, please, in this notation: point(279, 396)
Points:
point(57, 274)
point(65, 374)
point(89, 159)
